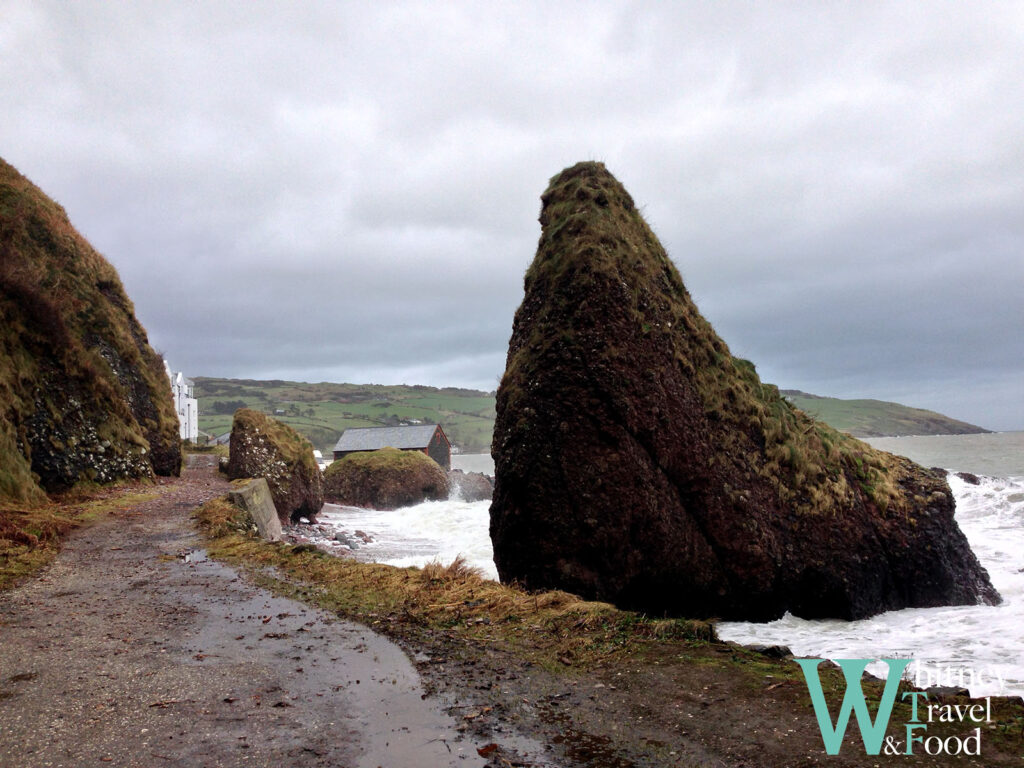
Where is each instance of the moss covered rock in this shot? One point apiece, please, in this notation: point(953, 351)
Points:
point(385, 479)
point(637, 461)
point(264, 447)
point(83, 396)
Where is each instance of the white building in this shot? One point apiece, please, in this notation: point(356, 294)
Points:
point(185, 405)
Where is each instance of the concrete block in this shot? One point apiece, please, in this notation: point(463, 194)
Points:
point(254, 497)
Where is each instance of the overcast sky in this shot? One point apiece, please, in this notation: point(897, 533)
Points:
point(349, 191)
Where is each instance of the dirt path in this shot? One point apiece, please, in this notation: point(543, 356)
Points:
point(134, 650)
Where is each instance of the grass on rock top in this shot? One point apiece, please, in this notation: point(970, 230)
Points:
point(294, 449)
point(593, 235)
point(386, 478)
point(390, 460)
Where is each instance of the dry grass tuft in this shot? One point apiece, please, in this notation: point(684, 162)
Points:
point(71, 351)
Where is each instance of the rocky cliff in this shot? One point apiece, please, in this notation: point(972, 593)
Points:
point(637, 461)
point(83, 396)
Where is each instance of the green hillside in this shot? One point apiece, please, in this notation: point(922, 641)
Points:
point(323, 411)
point(877, 418)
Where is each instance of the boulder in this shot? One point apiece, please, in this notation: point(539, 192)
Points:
point(83, 396)
point(969, 478)
point(264, 447)
point(638, 462)
point(253, 495)
point(385, 479)
point(470, 486)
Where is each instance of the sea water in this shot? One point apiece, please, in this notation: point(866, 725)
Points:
point(977, 647)
point(431, 531)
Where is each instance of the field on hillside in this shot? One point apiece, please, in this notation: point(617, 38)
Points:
point(323, 411)
point(877, 418)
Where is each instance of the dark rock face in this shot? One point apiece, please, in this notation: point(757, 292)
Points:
point(83, 396)
point(470, 486)
point(385, 479)
point(638, 462)
point(264, 447)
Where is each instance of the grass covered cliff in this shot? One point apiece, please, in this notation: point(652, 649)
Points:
point(83, 396)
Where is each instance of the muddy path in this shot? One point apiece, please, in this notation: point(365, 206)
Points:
point(133, 649)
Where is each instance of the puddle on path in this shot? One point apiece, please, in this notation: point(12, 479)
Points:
point(193, 556)
point(325, 663)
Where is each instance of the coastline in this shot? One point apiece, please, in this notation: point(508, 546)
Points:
point(592, 685)
point(546, 680)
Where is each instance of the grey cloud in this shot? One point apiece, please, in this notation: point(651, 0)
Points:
point(350, 191)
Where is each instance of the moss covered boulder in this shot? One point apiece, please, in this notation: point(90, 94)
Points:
point(83, 396)
point(637, 461)
point(385, 479)
point(264, 447)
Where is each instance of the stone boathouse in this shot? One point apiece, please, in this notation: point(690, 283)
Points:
point(428, 438)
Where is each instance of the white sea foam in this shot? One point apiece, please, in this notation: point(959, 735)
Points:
point(417, 535)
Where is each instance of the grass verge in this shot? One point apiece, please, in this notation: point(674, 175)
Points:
point(554, 629)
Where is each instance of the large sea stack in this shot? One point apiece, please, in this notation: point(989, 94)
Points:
point(83, 396)
point(637, 461)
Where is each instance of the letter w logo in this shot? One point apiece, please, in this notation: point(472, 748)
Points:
point(871, 733)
